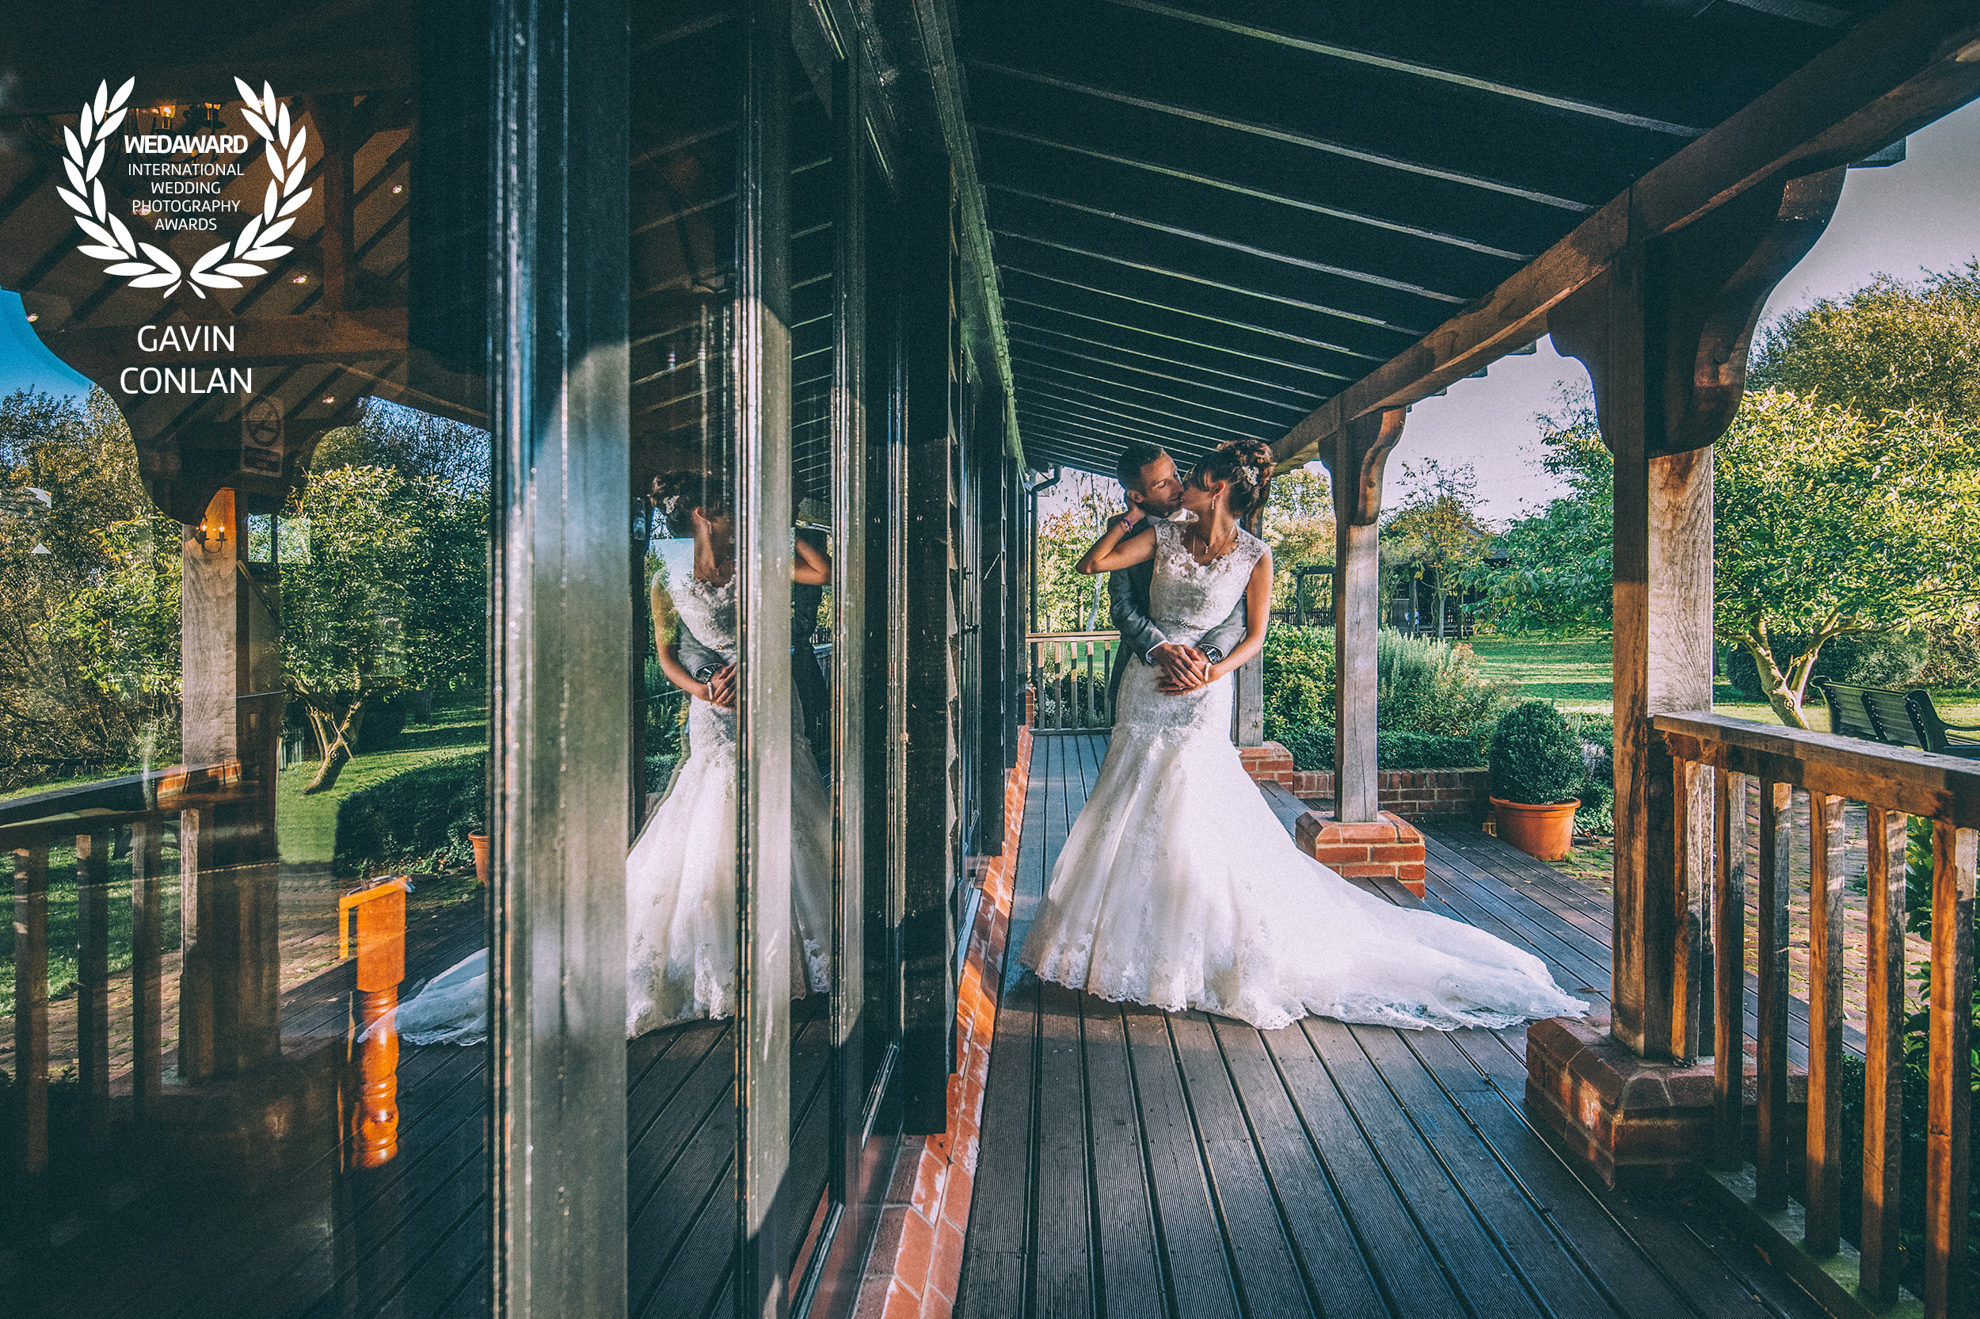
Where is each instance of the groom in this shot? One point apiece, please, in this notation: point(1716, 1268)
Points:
point(1148, 476)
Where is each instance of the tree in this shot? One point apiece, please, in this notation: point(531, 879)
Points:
point(1557, 576)
point(1079, 507)
point(1435, 529)
point(1827, 522)
point(390, 597)
point(1299, 528)
point(73, 520)
point(1889, 345)
point(415, 444)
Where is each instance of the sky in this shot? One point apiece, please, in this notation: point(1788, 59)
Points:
point(1901, 220)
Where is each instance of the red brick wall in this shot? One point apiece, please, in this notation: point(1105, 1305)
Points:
point(1410, 793)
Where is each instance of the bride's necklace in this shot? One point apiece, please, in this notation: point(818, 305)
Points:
point(1203, 550)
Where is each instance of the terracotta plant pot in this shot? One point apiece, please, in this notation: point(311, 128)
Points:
point(1541, 831)
point(479, 842)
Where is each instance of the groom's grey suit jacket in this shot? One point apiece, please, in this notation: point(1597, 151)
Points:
point(1127, 592)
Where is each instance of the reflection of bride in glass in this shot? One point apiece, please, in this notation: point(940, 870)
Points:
point(681, 876)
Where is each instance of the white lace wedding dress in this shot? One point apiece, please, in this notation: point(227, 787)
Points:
point(1179, 888)
point(681, 878)
point(681, 875)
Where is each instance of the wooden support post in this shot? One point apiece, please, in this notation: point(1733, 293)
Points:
point(1361, 450)
point(1823, 1196)
point(930, 868)
point(1949, 1080)
point(147, 971)
point(93, 983)
point(1883, 1061)
point(337, 242)
point(31, 1009)
point(1664, 333)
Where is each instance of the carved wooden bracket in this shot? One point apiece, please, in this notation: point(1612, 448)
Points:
point(1687, 302)
point(1355, 459)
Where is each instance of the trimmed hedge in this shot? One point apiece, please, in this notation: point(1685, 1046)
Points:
point(1312, 748)
point(429, 809)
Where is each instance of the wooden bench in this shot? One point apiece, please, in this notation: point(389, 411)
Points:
point(1897, 718)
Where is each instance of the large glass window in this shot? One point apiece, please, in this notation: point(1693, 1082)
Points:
point(244, 704)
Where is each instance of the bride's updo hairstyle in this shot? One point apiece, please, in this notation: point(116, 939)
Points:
point(677, 494)
point(1247, 465)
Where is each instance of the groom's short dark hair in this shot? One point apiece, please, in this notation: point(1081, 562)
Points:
point(1133, 458)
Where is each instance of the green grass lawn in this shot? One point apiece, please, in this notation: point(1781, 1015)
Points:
point(1575, 674)
point(306, 826)
point(308, 823)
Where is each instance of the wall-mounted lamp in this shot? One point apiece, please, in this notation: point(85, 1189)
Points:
point(211, 536)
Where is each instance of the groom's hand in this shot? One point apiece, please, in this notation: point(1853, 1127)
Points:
point(1184, 668)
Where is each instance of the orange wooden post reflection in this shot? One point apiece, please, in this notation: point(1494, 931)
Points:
point(379, 914)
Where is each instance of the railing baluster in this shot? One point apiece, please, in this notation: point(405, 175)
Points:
point(1729, 967)
point(1823, 1232)
point(1692, 837)
point(1093, 700)
point(1109, 653)
point(31, 1009)
point(147, 969)
point(1950, 1094)
point(93, 982)
point(1883, 1062)
point(1776, 829)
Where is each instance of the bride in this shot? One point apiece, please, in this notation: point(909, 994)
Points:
point(681, 874)
point(1179, 888)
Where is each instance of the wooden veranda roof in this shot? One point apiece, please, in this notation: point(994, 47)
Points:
point(1222, 218)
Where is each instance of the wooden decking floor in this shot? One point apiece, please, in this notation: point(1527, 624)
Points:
point(411, 1238)
point(1139, 1163)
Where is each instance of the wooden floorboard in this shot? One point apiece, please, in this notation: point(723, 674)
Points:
point(410, 1237)
point(1138, 1163)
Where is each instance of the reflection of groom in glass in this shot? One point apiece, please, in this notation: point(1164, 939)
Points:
point(1148, 477)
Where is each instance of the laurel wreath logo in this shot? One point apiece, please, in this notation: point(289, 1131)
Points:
point(149, 266)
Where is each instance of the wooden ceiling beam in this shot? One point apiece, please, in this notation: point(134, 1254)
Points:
point(1229, 323)
point(1319, 267)
point(1114, 364)
point(1086, 389)
point(1100, 416)
point(1033, 309)
point(1018, 234)
point(1032, 360)
point(1171, 363)
point(1416, 68)
point(1309, 141)
point(1911, 64)
point(1274, 196)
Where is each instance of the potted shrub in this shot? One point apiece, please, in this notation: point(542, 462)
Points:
point(1537, 774)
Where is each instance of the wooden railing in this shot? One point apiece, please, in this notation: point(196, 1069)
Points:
point(1712, 758)
point(1071, 677)
point(139, 807)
